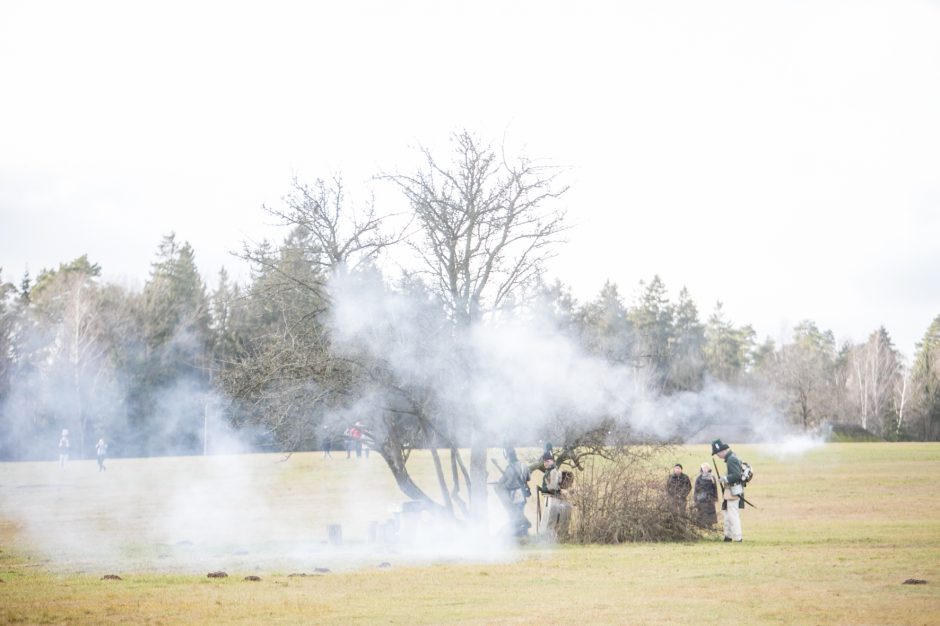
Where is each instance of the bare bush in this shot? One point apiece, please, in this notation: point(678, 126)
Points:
point(621, 499)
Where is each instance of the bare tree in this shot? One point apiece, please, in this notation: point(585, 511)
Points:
point(487, 226)
point(901, 396)
point(804, 369)
point(287, 377)
point(338, 234)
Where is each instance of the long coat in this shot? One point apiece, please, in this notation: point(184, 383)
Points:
point(705, 497)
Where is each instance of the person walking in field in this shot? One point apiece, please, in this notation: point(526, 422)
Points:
point(64, 447)
point(101, 449)
point(678, 487)
point(704, 498)
point(733, 490)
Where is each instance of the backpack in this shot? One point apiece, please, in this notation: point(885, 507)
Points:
point(747, 473)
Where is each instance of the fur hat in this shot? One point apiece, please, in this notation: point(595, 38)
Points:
point(718, 445)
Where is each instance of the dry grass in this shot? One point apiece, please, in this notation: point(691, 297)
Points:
point(837, 532)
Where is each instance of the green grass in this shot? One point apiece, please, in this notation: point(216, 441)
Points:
point(837, 531)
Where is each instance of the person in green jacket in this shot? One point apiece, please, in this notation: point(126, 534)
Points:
point(733, 490)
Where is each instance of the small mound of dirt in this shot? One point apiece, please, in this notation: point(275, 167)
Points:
point(322, 570)
point(296, 574)
point(254, 578)
point(111, 577)
point(217, 575)
point(914, 581)
point(384, 564)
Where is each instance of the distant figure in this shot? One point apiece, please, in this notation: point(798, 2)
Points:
point(327, 443)
point(348, 440)
point(678, 487)
point(733, 490)
point(705, 496)
point(353, 436)
point(513, 491)
point(64, 447)
point(357, 439)
point(554, 523)
point(102, 451)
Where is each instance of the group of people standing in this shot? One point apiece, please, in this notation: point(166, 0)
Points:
point(353, 439)
point(706, 493)
point(555, 514)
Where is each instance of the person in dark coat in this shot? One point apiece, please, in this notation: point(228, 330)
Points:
point(678, 487)
point(513, 491)
point(705, 497)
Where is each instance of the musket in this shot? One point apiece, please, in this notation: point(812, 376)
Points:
point(538, 511)
point(723, 486)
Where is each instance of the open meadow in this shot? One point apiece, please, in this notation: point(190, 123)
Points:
point(839, 529)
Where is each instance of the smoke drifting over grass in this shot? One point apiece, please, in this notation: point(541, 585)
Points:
point(519, 379)
point(241, 513)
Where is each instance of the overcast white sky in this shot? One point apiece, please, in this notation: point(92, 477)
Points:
point(782, 157)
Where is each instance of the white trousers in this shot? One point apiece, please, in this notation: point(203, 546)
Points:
point(555, 519)
point(733, 520)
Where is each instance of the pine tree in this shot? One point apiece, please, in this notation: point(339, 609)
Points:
point(925, 377)
point(687, 362)
point(652, 319)
point(607, 329)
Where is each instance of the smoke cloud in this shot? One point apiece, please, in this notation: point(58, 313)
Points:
point(523, 377)
point(520, 379)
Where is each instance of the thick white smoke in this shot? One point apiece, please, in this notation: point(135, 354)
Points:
point(521, 376)
point(517, 380)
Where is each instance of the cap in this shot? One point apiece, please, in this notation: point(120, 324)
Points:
point(718, 445)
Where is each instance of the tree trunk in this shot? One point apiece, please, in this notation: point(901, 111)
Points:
point(478, 505)
point(441, 481)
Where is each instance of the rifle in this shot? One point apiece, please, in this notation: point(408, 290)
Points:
point(538, 511)
point(717, 475)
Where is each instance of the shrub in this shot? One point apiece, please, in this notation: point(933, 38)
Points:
point(622, 499)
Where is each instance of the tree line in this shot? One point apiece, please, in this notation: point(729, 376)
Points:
point(154, 369)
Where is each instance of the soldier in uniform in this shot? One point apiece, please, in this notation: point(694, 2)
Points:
point(513, 490)
point(733, 490)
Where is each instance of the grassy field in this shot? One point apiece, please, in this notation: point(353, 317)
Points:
point(837, 532)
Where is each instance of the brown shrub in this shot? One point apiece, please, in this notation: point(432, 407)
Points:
point(622, 499)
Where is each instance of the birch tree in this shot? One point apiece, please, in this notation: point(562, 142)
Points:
point(875, 371)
